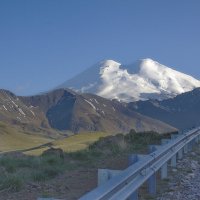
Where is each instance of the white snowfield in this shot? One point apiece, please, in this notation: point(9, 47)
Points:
point(145, 79)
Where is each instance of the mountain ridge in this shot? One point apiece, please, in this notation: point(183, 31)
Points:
point(65, 110)
point(181, 111)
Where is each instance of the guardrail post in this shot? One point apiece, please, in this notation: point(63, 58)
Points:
point(165, 141)
point(132, 159)
point(164, 171)
point(185, 149)
point(180, 154)
point(193, 142)
point(152, 180)
point(152, 184)
point(106, 174)
point(174, 136)
point(102, 176)
point(197, 140)
point(164, 167)
point(189, 147)
point(173, 161)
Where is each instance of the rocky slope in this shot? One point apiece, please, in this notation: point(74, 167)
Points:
point(181, 112)
point(142, 80)
point(16, 115)
point(68, 110)
point(13, 110)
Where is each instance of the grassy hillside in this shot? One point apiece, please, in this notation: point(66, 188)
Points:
point(72, 143)
point(12, 138)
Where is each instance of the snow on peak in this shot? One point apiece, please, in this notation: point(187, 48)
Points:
point(109, 63)
point(108, 66)
point(145, 79)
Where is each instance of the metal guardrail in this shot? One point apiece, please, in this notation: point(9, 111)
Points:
point(122, 186)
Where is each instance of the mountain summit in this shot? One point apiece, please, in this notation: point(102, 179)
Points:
point(142, 80)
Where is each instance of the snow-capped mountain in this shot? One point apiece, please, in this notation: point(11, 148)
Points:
point(145, 79)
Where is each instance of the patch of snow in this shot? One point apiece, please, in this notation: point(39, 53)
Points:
point(96, 101)
point(92, 105)
point(21, 111)
point(32, 113)
point(5, 107)
point(15, 104)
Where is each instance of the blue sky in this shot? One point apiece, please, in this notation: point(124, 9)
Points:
point(45, 42)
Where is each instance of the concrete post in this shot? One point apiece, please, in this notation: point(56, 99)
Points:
point(174, 136)
point(189, 147)
point(180, 154)
point(164, 171)
point(132, 159)
point(197, 140)
point(102, 176)
point(173, 161)
point(153, 148)
point(152, 180)
point(185, 149)
point(164, 167)
point(165, 141)
point(152, 184)
point(106, 174)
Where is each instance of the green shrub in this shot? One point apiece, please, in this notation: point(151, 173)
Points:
point(9, 164)
point(11, 182)
point(143, 138)
point(51, 160)
point(38, 176)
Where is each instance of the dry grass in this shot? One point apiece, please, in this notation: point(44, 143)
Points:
point(11, 139)
point(72, 143)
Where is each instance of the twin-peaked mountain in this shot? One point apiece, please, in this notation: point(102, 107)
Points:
point(143, 80)
point(66, 110)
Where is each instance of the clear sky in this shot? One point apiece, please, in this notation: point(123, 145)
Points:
point(45, 42)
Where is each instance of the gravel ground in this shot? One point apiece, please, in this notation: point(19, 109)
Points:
point(183, 182)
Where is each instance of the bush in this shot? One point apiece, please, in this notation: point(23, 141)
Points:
point(51, 172)
point(144, 138)
point(51, 160)
point(9, 164)
point(11, 182)
point(38, 176)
